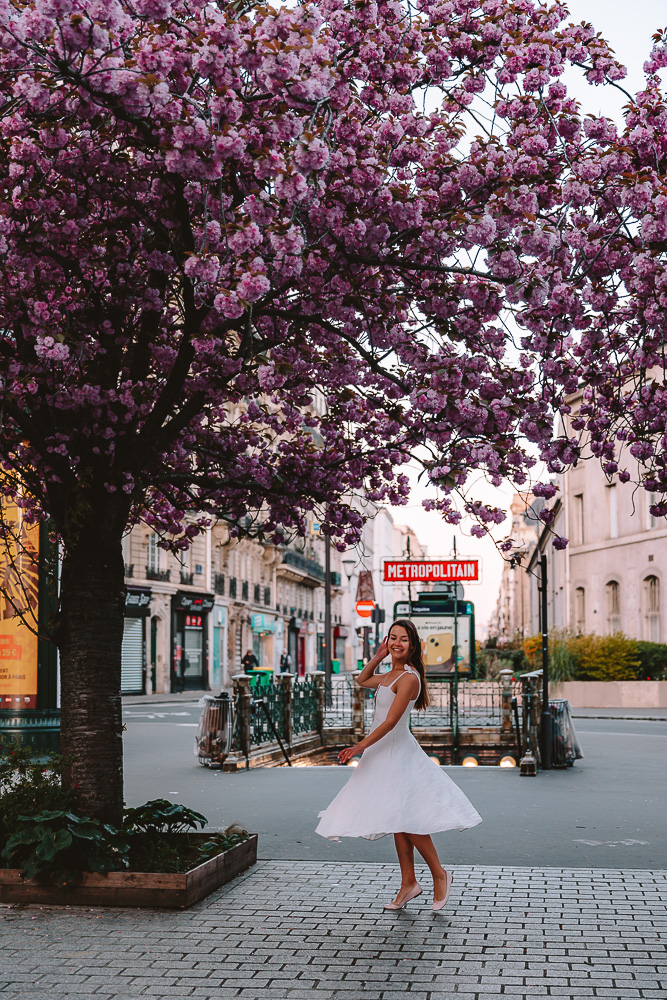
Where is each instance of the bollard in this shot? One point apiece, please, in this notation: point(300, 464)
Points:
point(506, 696)
point(286, 683)
point(242, 699)
point(319, 684)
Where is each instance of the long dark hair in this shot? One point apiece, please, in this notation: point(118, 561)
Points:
point(415, 659)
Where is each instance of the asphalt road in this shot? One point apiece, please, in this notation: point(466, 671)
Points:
point(608, 811)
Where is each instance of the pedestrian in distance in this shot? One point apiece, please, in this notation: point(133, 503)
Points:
point(285, 662)
point(396, 788)
point(249, 662)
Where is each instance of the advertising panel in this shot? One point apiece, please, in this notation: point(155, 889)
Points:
point(19, 595)
point(435, 627)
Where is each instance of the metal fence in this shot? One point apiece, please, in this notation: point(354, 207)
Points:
point(294, 706)
point(479, 704)
point(304, 706)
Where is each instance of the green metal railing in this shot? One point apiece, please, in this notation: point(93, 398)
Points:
point(32, 727)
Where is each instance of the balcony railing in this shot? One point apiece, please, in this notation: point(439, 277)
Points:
point(163, 575)
point(305, 563)
point(129, 570)
point(187, 578)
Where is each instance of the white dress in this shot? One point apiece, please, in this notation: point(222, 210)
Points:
point(396, 788)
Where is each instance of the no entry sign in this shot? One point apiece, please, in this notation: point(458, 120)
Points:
point(431, 570)
point(365, 608)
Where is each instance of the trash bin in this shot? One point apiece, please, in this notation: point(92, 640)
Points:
point(565, 747)
point(213, 741)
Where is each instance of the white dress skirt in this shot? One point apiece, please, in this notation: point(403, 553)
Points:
point(396, 788)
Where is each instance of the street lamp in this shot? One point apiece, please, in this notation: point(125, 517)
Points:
point(348, 566)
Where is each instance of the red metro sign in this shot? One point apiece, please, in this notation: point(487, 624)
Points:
point(431, 570)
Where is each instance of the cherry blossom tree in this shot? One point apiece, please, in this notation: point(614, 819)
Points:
point(256, 258)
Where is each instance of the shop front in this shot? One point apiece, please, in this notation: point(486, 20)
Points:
point(264, 632)
point(133, 653)
point(189, 669)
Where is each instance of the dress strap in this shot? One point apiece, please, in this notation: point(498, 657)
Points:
point(410, 670)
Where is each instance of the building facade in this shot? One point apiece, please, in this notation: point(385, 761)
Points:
point(611, 577)
point(512, 614)
point(191, 618)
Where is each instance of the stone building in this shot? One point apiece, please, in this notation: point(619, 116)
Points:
point(611, 577)
point(512, 615)
point(190, 618)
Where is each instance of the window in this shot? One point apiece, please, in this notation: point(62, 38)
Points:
point(651, 602)
point(256, 593)
point(153, 554)
point(651, 521)
point(613, 597)
point(580, 609)
point(579, 519)
point(612, 510)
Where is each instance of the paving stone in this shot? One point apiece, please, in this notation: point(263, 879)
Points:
point(316, 931)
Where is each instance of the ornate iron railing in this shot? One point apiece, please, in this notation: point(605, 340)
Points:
point(304, 706)
point(338, 702)
point(273, 696)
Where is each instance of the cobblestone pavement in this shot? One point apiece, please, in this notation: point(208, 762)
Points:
point(316, 931)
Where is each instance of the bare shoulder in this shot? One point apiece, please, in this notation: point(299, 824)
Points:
point(409, 682)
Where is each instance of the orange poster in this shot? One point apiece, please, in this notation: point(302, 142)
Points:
point(19, 597)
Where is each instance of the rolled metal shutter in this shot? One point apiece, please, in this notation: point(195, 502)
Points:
point(132, 657)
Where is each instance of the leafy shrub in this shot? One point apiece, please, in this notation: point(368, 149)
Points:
point(158, 836)
point(161, 816)
point(59, 845)
point(28, 785)
point(652, 661)
point(586, 657)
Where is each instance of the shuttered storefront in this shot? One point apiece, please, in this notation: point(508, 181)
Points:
point(132, 663)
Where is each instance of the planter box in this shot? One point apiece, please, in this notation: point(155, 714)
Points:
point(173, 891)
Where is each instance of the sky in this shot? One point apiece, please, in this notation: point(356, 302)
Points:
point(628, 28)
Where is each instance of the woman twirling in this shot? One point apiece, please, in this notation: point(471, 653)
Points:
point(396, 788)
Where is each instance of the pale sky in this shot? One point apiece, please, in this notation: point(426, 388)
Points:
point(628, 28)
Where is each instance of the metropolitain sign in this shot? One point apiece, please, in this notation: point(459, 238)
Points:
point(431, 570)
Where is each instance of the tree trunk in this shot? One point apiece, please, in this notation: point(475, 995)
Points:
point(90, 635)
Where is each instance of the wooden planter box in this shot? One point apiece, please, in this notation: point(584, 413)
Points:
point(173, 891)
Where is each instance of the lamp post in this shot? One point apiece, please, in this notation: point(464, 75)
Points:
point(546, 721)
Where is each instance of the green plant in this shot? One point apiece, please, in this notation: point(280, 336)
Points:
point(59, 845)
point(158, 834)
point(223, 841)
point(161, 816)
point(28, 784)
point(652, 661)
point(607, 657)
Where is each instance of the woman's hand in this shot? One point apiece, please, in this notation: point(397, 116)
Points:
point(348, 753)
point(383, 650)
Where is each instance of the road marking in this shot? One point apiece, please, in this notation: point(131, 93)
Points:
point(153, 715)
point(611, 843)
point(643, 736)
point(193, 724)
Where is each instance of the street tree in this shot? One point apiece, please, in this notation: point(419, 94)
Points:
point(255, 258)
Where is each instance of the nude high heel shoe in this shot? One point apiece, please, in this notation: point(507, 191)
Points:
point(438, 905)
point(412, 894)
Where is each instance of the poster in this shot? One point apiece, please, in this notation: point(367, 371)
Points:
point(437, 637)
point(19, 595)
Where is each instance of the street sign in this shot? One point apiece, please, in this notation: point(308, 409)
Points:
point(365, 608)
point(431, 570)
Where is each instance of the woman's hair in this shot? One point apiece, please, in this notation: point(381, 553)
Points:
point(415, 659)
